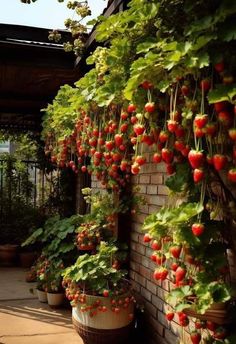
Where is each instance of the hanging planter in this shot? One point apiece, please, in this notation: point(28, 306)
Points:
point(217, 313)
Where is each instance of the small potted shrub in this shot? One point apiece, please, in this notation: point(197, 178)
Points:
point(88, 236)
point(41, 286)
point(102, 301)
point(55, 291)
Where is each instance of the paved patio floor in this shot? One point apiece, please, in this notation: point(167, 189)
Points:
point(24, 320)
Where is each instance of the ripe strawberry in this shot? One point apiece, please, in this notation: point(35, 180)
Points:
point(200, 121)
point(211, 129)
point(196, 158)
point(116, 157)
point(153, 257)
point(198, 229)
point(198, 175)
point(148, 139)
point(131, 108)
point(156, 245)
point(105, 293)
point(123, 165)
point(219, 67)
point(109, 145)
point(184, 322)
point(150, 107)
point(211, 325)
point(185, 151)
point(140, 160)
point(205, 85)
point(195, 337)
point(135, 168)
point(170, 316)
point(147, 237)
point(139, 129)
point(199, 132)
point(146, 85)
point(225, 118)
point(170, 169)
point(209, 159)
point(124, 127)
point(179, 145)
point(200, 324)
point(219, 161)
point(175, 251)
point(220, 106)
point(160, 274)
point(124, 115)
point(179, 132)
point(157, 158)
point(167, 155)
point(133, 119)
point(180, 274)
point(160, 258)
point(172, 125)
point(232, 133)
point(84, 168)
point(232, 175)
point(118, 139)
point(174, 266)
point(164, 136)
point(185, 90)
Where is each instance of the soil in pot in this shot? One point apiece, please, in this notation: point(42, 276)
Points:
point(55, 300)
point(8, 255)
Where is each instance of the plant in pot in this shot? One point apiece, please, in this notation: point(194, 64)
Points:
point(103, 305)
point(55, 291)
point(88, 236)
point(41, 285)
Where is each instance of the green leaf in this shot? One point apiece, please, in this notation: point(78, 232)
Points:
point(222, 93)
point(179, 181)
point(146, 46)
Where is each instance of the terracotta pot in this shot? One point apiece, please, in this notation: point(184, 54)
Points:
point(42, 295)
point(217, 313)
point(8, 255)
point(104, 327)
point(27, 259)
point(55, 299)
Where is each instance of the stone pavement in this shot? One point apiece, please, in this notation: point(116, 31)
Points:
point(24, 320)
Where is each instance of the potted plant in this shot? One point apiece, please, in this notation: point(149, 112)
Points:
point(88, 236)
point(55, 291)
point(41, 280)
point(103, 305)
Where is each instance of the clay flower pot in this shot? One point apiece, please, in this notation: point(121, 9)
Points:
point(42, 295)
point(8, 254)
point(55, 299)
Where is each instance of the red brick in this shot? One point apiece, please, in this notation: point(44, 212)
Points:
point(161, 318)
point(146, 294)
point(145, 261)
point(153, 209)
point(145, 272)
point(163, 190)
point(152, 189)
point(136, 257)
point(140, 248)
point(135, 236)
point(149, 308)
point(140, 279)
point(157, 179)
point(156, 326)
point(158, 200)
point(157, 302)
point(152, 287)
point(171, 338)
point(135, 266)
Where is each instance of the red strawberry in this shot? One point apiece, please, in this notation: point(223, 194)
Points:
point(150, 107)
point(160, 258)
point(156, 245)
point(140, 160)
point(211, 325)
point(180, 274)
point(200, 324)
point(225, 118)
point(209, 159)
point(84, 168)
point(219, 67)
point(232, 134)
point(185, 90)
point(199, 132)
point(174, 266)
point(116, 156)
point(184, 322)
point(170, 169)
point(198, 175)
point(131, 108)
point(195, 337)
point(124, 115)
point(109, 145)
point(220, 106)
point(135, 168)
point(167, 155)
point(175, 251)
point(105, 293)
point(147, 237)
point(195, 158)
point(179, 145)
point(118, 140)
point(200, 121)
point(147, 139)
point(123, 165)
point(133, 119)
point(198, 229)
point(139, 129)
point(172, 125)
point(211, 129)
point(185, 151)
point(153, 257)
point(232, 175)
point(179, 132)
point(170, 316)
point(164, 136)
point(219, 161)
point(157, 158)
point(205, 85)
point(160, 274)
point(146, 85)
point(124, 127)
